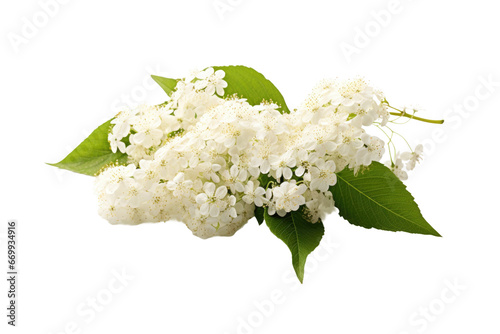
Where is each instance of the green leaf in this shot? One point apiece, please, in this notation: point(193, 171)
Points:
point(92, 154)
point(300, 235)
point(252, 85)
point(264, 180)
point(259, 214)
point(167, 84)
point(376, 198)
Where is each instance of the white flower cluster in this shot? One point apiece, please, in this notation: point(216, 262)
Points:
point(398, 166)
point(209, 161)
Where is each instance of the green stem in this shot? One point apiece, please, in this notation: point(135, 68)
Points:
point(402, 113)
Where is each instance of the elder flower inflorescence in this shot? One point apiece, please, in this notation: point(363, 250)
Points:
point(208, 161)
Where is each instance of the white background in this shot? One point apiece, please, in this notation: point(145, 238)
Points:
point(90, 57)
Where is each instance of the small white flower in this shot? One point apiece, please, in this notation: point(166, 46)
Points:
point(288, 197)
point(147, 127)
point(262, 150)
point(121, 123)
point(372, 150)
point(305, 160)
point(210, 201)
point(254, 194)
point(323, 175)
point(366, 113)
point(318, 205)
point(116, 144)
point(398, 168)
point(211, 81)
point(234, 178)
point(413, 157)
point(112, 179)
point(283, 164)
